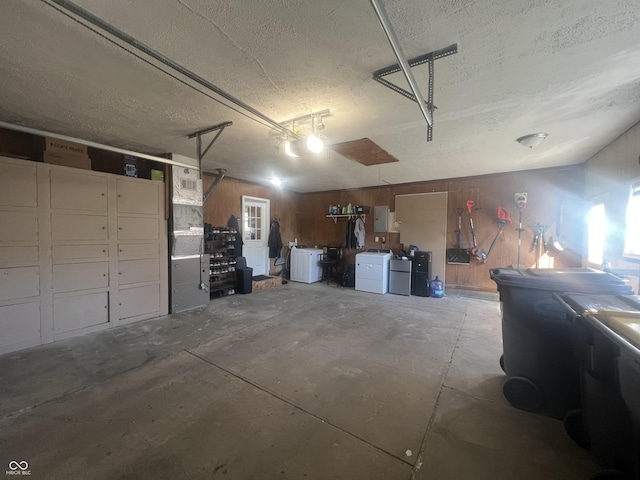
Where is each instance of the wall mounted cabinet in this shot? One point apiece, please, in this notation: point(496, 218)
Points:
point(80, 251)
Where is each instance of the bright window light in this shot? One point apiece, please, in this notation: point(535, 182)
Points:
point(632, 232)
point(597, 233)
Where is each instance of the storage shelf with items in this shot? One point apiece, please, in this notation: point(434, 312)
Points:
point(336, 212)
point(219, 244)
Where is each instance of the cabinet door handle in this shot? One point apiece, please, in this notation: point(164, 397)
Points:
point(104, 274)
point(104, 228)
point(104, 251)
point(103, 194)
point(119, 195)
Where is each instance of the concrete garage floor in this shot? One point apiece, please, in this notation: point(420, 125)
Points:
point(297, 382)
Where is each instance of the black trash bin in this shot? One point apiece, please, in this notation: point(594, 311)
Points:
point(607, 363)
point(244, 276)
point(543, 374)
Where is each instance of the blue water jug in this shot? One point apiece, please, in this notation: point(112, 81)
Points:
point(437, 288)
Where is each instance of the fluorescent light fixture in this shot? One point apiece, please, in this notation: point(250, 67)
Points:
point(314, 144)
point(276, 181)
point(532, 140)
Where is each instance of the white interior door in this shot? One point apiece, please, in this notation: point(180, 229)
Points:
point(255, 233)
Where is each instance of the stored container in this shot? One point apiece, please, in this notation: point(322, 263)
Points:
point(543, 374)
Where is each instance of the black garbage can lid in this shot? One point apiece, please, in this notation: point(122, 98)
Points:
point(581, 280)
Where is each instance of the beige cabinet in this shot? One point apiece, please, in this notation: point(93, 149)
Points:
point(18, 226)
point(70, 277)
point(76, 312)
point(137, 198)
point(80, 251)
point(138, 301)
point(68, 226)
point(70, 252)
point(19, 282)
point(138, 271)
point(78, 191)
point(20, 326)
point(17, 254)
point(18, 185)
point(137, 228)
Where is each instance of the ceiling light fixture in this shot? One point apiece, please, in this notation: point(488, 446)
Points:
point(532, 140)
point(276, 181)
point(314, 141)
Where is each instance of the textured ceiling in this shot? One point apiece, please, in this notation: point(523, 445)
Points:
point(567, 67)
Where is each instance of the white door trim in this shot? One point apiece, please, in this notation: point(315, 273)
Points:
point(256, 251)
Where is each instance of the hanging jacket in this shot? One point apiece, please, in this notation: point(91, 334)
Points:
point(359, 232)
point(275, 240)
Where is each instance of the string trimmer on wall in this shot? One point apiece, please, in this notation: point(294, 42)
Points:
point(521, 204)
point(503, 218)
point(475, 251)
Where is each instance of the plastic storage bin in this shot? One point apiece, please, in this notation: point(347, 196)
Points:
point(609, 364)
point(543, 374)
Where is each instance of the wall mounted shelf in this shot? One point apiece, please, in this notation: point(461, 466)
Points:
point(336, 217)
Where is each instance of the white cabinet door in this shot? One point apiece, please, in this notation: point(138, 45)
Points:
point(18, 185)
point(78, 191)
point(139, 300)
point(69, 252)
point(20, 326)
point(69, 227)
point(138, 249)
point(80, 276)
point(138, 271)
point(134, 228)
point(80, 311)
point(18, 254)
point(18, 227)
point(137, 197)
point(19, 282)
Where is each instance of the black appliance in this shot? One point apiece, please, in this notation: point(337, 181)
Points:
point(421, 273)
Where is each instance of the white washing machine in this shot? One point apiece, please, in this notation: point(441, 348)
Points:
point(372, 272)
point(305, 265)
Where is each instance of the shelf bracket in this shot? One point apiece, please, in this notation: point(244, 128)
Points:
point(198, 136)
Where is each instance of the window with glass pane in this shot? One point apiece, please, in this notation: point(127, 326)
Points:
point(252, 223)
point(632, 231)
point(597, 233)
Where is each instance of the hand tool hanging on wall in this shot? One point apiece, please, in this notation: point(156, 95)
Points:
point(503, 218)
point(459, 230)
point(521, 204)
point(475, 251)
point(539, 245)
point(458, 256)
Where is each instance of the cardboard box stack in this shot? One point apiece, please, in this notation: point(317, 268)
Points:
point(61, 152)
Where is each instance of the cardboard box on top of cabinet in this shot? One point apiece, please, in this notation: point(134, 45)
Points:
point(61, 147)
point(75, 161)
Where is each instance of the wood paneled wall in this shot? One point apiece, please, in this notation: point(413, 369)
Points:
point(608, 176)
point(554, 199)
point(226, 200)
point(552, 194)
